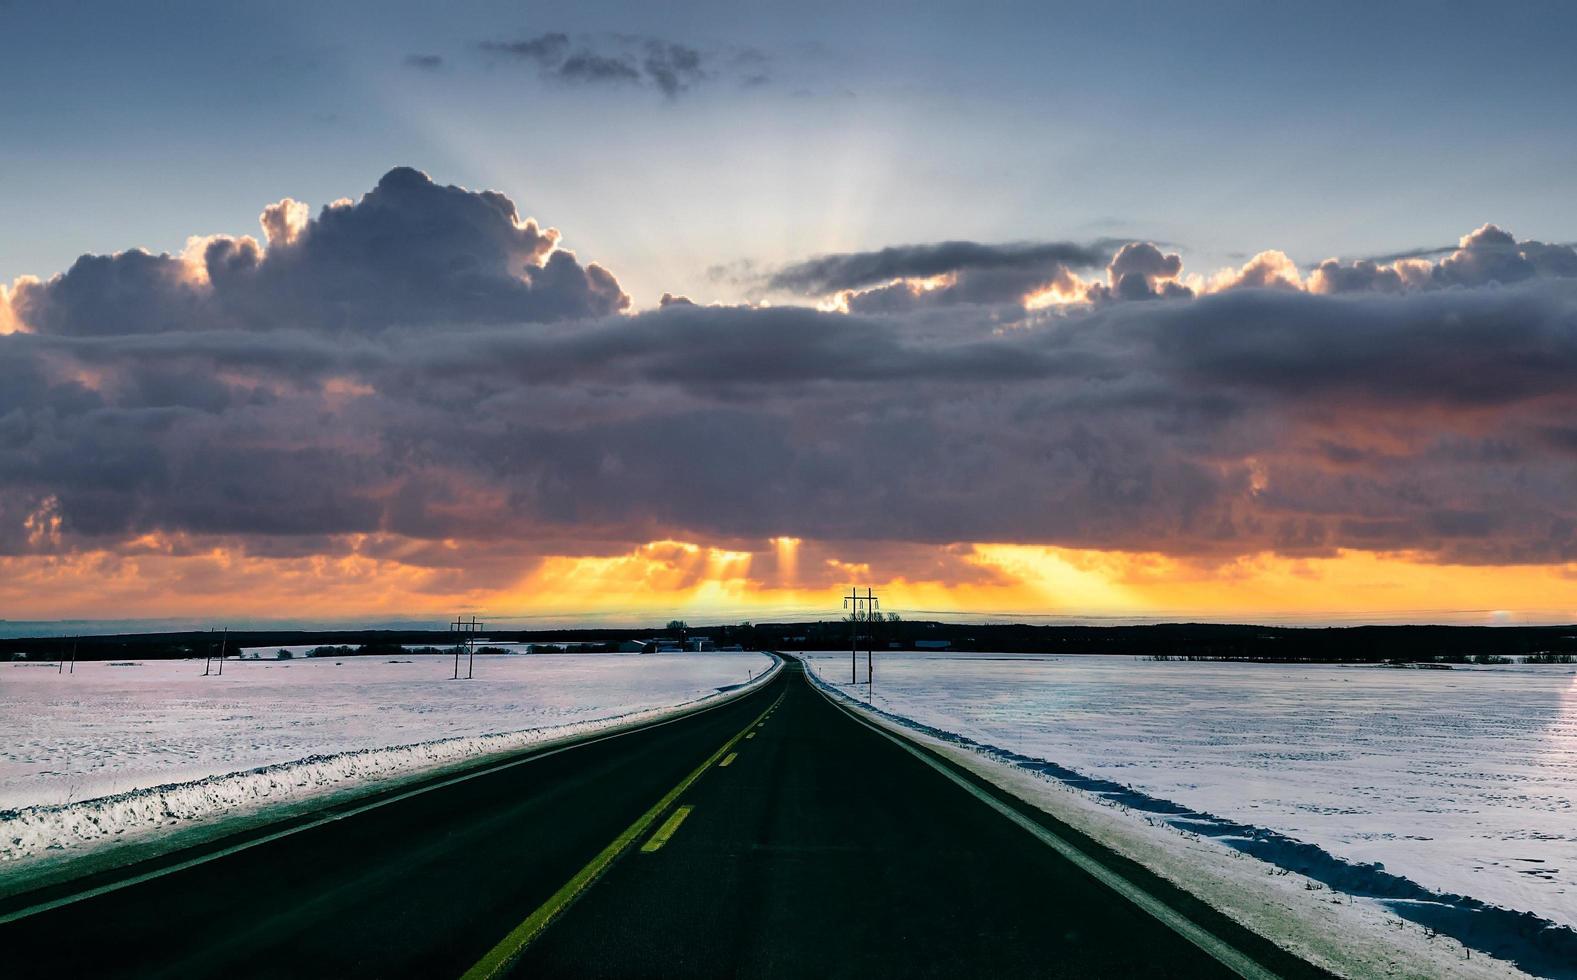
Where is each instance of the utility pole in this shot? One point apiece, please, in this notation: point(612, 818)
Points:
point(74, 642)
point(208, 653)
point(468, 629)
point(871, 602)
point(223, 639)
point(851, 602)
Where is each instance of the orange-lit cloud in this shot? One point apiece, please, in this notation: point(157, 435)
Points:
point(9, 323)
point(665, 579)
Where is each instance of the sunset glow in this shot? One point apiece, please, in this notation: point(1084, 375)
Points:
point(149, 578)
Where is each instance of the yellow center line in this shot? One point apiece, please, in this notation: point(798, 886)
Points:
point(667, 829)
point(728, 760)
point(499, 958)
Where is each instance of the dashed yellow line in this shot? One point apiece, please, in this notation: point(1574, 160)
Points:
point(728, 760)
point(667, 829)
point(501, 956)
point(750, 736)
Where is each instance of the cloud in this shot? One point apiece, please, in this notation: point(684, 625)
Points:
point(547, 49)
point(1033, 275)
point(1331, 276)
point(409, 252)
point(857, 270)
point(8, 319)
point(584, 66)
point(1271, 269)
point(1486, 256)
point(1140, 270)
point(424, 62)
point(423, 367)
point(673, 68)
point(669, 67)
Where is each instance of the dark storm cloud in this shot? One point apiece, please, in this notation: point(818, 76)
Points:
point(130, 292)
point(1453, 349)
point(409, 252)
point(670, 67)
point(388, 376)
point(424, 62)
point(857, 270)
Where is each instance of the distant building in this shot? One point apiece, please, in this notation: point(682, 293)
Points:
point(700, 644)
point(661, 644)
point(932, 644)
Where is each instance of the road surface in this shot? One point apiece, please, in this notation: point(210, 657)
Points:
point(775, 835)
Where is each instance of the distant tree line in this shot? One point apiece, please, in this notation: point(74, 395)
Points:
point(1357, 644)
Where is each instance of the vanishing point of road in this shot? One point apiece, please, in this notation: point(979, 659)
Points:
point(775, 835)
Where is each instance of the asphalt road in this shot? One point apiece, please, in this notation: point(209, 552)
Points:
point(772, 836)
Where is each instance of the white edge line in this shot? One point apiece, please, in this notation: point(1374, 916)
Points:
point(1225, 953)
point(484, 770)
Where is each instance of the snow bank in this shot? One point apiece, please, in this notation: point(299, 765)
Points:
point(667, 684)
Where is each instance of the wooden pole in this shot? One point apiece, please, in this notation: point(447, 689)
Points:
point(852, 603)
point(870, 636)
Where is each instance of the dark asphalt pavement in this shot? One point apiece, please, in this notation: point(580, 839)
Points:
point(820, 849)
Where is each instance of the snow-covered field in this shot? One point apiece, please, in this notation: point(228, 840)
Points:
point(1464, 781)
point(82, 752)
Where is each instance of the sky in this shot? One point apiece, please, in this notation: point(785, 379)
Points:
point(1212, 311)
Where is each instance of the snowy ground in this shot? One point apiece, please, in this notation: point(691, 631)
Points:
point(1464, 781)
point(84, 753)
